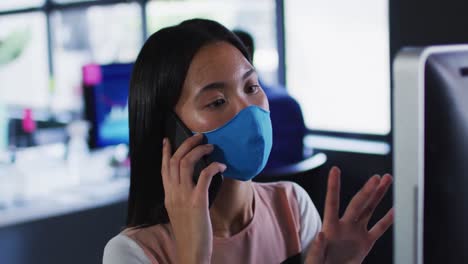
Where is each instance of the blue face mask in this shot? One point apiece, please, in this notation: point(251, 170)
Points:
point(243, 144)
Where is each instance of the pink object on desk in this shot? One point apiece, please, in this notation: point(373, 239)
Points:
point(92, 74)
point(28, 123)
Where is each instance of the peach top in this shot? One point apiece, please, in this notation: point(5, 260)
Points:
point(284, 223)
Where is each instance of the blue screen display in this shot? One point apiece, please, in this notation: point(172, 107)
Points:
point(111, 105)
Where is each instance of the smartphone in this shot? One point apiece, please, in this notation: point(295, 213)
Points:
point(177, 133)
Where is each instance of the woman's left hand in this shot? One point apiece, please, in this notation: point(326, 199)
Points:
point(347, 239)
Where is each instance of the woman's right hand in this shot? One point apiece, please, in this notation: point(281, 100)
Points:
point(186, 202)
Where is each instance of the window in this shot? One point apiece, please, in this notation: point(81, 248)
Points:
point(338, 63)
point(256, 17)
point(80, 32)
point(82, 36)
point(24, 68)
point(70, 1)
point(19, 4)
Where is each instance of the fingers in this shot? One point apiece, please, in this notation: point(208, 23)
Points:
point(205, 178)
point(187, 146)
point(359, 202)
point(316, 254)
point(380, 192)
point(332, 200)
point(187, 163)
point(183, 149)
point(166, 156)
point(379, 229)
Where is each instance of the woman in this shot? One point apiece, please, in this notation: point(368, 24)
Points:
point(202, 72)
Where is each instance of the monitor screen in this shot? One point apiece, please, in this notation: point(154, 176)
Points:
point(430, 151)
point(106, 95)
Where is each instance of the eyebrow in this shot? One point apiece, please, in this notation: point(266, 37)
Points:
point(221, 85)
point(248, 73)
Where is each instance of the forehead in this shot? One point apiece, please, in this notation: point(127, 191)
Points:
point(216, 62)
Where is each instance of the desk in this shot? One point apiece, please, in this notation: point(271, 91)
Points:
point(68, 225)
point(68, 201)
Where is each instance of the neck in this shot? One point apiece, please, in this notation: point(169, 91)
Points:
point(232, 209)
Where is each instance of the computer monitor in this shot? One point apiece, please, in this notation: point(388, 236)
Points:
point(106, 103)
point(430, 112)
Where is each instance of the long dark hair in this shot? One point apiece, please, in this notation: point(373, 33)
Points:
point(155, 87)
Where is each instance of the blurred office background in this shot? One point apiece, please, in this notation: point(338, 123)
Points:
point(64, 68)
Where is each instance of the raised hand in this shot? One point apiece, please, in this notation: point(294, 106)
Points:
point(348, 239)
point(187, 203)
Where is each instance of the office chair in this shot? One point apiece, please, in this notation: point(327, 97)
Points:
point(289, 158)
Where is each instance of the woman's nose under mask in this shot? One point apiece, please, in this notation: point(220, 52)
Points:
point(243, 144)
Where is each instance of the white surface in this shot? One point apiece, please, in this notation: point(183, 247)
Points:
point(67, 201)
point(40, 184)
point(347, 145)
point(409, 150)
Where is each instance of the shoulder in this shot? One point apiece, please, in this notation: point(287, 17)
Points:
point(303, 199)
point(122, 249)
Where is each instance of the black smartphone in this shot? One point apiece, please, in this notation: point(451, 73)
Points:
point(177, 133)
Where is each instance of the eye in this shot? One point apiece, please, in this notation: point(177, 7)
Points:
point(217, 103)
point(252, 89)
